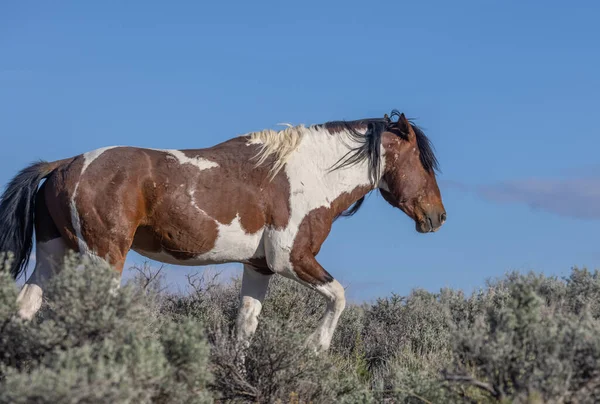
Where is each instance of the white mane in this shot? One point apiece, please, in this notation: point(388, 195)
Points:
point(279, 143)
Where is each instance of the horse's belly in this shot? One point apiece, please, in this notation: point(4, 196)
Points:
point(233, 244)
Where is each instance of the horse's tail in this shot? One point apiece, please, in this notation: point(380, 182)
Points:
point(16, 215)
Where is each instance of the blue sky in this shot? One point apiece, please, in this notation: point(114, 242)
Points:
point(507, 91)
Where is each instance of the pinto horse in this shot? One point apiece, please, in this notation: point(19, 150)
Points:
point(266, 199)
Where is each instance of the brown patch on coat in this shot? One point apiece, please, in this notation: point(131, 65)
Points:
point(313, 231)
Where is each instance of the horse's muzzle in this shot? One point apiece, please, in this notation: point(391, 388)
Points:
point(431, 222)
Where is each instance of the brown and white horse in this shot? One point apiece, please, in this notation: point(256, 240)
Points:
point(266, 199)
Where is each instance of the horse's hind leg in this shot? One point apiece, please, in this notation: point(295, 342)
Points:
point(50, 254)
point(49, 258)
point(254, 289)
point(50, 250)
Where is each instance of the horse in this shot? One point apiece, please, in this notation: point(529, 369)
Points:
point(266, 199)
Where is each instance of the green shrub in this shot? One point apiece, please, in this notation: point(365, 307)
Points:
point(523, 338)
point(540, 341)
point(278, 366)
point(95, 343)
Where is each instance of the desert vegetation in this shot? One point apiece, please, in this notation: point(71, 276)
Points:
point(524, 338)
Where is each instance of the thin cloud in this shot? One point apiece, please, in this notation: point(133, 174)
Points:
point(451, 184)
point(575, 197)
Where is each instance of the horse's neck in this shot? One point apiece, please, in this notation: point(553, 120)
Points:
point(313, 183)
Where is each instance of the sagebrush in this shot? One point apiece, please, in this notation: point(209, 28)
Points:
point(522, 338)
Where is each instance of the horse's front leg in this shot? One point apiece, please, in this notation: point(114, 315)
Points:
point(310, 273)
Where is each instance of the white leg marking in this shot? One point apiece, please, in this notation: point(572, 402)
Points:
point(49, 258)
point(254, 289)
point(336, 302)
point(29, 300)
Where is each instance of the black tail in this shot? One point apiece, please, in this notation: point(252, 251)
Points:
point(16, 215)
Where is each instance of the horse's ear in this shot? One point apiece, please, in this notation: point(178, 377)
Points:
point(405, 128)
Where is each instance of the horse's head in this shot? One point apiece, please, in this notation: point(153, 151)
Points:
point(408, 181)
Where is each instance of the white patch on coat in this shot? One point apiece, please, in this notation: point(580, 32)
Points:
point(76, 223)
point(90, 156)
point(200, 162)
point(312, 186)
point(191, 193)
point(49, 258)
point(233, 244)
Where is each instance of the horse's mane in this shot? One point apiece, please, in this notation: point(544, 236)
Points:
point(279, 143)
point(365, 134)
point(369, 143)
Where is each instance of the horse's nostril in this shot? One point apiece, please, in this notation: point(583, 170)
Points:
point(443, 217)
